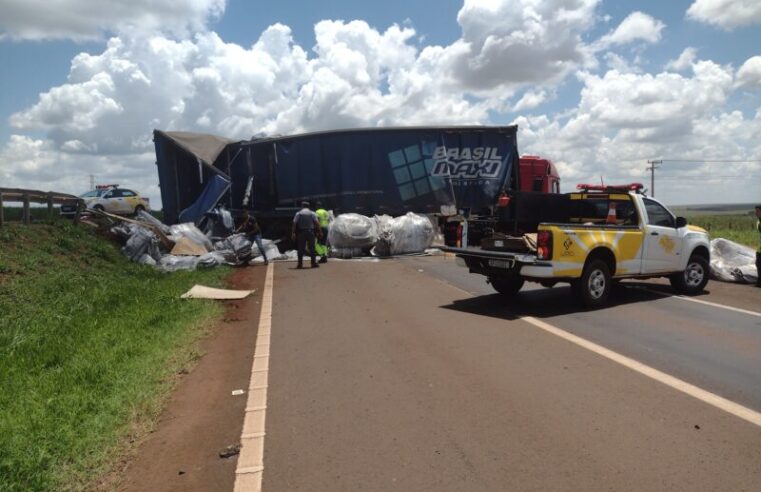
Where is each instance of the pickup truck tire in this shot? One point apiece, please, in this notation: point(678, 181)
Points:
point(507, 286)
point(594, 286)
point(139, 209)
point(693, 279)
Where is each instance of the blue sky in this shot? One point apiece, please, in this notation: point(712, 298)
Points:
point(594, 88)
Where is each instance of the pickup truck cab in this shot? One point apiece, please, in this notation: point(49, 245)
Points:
point(608, 234)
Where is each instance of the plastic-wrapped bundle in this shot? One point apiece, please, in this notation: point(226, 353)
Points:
point(141, 242)
point(190, 231)
point(174, 263)
point(352, 231)
point(346, 252)
point(270, 248)
point(410, 233)
point(144, 216)
point(732, 262)
point(123, 230)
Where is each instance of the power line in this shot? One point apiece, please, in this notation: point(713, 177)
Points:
point(710, 160)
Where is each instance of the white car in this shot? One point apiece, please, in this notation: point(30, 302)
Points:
point(112, 199)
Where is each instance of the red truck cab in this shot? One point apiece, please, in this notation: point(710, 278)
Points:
point(538, 174)
point(535, 174)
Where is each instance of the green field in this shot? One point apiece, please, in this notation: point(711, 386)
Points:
point(738, 228)
point(89, 348)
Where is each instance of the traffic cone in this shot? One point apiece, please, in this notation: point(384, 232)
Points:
point(611, 214)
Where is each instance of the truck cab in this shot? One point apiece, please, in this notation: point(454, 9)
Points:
point(535, 174)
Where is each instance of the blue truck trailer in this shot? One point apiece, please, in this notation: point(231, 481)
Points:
point(430, 170)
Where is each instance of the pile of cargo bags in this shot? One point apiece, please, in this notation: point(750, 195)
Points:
point(186, 247)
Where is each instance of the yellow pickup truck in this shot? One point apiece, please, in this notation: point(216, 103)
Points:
point(598, 237)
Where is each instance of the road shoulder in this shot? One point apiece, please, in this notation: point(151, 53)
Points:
point(202, 416)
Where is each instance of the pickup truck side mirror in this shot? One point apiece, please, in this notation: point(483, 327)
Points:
point(681, 222)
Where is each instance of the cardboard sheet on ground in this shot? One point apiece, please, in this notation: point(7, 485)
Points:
point(187, 247)
point(203, 292)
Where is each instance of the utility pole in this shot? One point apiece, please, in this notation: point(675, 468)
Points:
point(92, 182)
point(653, 166)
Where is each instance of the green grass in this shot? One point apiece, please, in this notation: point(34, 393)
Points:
point(89, 346)
point(738, 228)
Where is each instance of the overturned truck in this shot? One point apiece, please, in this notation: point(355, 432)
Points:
point(369, 171)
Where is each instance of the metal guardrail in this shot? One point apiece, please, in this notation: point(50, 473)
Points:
point(27, 197)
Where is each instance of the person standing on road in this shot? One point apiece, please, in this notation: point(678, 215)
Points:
point(758, 251)
point(305, 223)
point(323, 216)
point(250, 227)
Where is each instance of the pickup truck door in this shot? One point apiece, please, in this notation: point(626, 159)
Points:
point(662, 247)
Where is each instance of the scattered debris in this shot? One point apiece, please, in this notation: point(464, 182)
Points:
point(229, 451)
point(203, 292)
point(733, 262)
point(237, 392)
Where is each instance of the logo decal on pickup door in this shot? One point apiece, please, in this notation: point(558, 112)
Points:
point(667, 244)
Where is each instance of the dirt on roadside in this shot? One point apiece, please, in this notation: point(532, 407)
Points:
point(202, 418)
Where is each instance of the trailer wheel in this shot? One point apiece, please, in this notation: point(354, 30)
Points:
point(507, 286)
point(595, 284)
point(693, 279)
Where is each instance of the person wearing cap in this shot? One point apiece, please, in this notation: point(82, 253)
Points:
point(323, 216)
point(250, 227)
point(758, 251)
point(305, 224)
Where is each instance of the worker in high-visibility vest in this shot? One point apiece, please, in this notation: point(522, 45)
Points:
point(758, 251)
point(323, 216)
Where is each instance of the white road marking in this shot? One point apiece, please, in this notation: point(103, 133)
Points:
point(713, 304)
point(248, 474)
point(705, 396)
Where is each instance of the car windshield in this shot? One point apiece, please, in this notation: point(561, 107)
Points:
point(93, 194)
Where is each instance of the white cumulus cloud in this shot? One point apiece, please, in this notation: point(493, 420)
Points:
point(637, 26)
point(684, 61)
point(749, 74)
point(88, 19)
point(727, 14)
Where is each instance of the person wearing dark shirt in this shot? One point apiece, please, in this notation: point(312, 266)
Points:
point(250, 227)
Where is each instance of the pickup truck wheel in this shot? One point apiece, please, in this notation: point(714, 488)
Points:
point(693, 279)
point(139, 209)
point(595, 284)
point(507, 286)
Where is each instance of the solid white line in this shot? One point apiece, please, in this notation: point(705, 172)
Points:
point(248, 474)
point(705, 396)
point(712, 304)
point(692, 299)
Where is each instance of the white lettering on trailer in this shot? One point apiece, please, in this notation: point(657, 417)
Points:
point(467, 162)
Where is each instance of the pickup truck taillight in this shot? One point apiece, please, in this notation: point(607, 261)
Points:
point(544, 245)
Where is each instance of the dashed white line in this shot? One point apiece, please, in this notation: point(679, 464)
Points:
point(248, 474)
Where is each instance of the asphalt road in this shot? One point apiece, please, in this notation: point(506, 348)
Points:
point(411, 375)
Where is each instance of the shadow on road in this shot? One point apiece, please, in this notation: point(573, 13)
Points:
point(547, 303)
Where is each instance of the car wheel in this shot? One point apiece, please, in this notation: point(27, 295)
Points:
point(693, 279)
point(139, 209)
point(595, 284)
point(507, 286)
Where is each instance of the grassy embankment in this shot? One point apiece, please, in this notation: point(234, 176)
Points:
point(89, 346)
